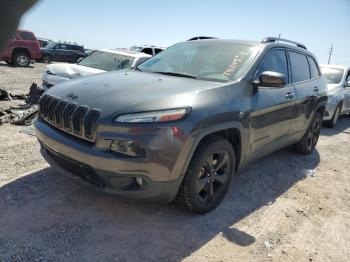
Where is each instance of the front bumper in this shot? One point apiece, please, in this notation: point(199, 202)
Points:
point(330, 109)
point(95, 166)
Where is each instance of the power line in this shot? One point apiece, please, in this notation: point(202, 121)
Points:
point(330, 53)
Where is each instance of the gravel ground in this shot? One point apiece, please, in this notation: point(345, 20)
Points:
point(284, 207)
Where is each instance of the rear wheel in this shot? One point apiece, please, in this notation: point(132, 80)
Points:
point(332, 123)
point(47, 59)
point(21, 59)
point(207, 178)
point(309, 141)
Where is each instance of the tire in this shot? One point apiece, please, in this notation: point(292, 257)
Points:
point(332, 123)
point(309, 141)
point(47, 59)
point(21, 59)
point(208, 176)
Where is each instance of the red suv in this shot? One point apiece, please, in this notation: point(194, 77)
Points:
point(22, 48)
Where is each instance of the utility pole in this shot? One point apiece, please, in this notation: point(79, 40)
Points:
point(330, 53)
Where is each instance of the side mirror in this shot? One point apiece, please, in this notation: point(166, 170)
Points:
point(270, 79)
point(80, 59)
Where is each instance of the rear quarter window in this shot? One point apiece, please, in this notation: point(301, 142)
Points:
point(300, 67)
point(314, 69)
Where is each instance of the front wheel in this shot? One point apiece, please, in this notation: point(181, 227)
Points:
point(309, 141)
point(207, 178)
point(21, 59)
point(47, 59)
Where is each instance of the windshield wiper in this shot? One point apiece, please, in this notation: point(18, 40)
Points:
point(175, 74)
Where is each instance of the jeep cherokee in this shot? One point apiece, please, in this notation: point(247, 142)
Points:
point(180, 125)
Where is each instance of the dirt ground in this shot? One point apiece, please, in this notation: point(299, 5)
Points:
point(284, 207)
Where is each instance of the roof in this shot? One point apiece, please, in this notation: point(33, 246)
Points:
point(126, 52)
point(226, 41)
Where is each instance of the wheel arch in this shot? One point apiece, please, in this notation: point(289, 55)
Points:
point(20, 49)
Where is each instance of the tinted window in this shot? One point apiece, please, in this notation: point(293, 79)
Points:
point(157, 51)
point(26, 36)
point(147, 51)
point(313, 68)
point(300, 67)
point(60, 46)
point(276, 61)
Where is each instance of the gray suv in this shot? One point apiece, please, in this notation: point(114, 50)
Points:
point(180, 125)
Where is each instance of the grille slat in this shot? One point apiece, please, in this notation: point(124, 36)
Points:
point(90, 121)
point(69, 117)
point(77, 119)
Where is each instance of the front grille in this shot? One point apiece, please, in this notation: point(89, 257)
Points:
point(69, 117)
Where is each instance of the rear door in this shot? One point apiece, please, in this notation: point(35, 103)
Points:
point(273, 108)
point(61, 53)
point(306, 91)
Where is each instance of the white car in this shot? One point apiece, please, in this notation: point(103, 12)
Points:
point(148, 49)
point(338, 80)
point(98, 62)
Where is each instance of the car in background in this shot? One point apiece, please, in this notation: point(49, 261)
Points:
point(21, 49)
point(98, 62)
point(338, 82)
point(44, 42)
point(63, 52)
point(148, 49)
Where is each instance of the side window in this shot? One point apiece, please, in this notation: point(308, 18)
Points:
point(147, 51)
point(348, 77)
point(26, 36)
point(315, 72)
point(300, 67)
point(61, 46)
point(276, 61)
point(157, 51)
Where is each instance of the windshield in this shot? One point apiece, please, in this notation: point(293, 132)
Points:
point(332, 75)
point(107, 61)
point(50, 45)
point(136, 48)
point(214, 61)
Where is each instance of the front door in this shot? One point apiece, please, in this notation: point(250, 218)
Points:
point(272, 108)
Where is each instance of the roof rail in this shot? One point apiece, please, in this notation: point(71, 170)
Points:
point(277, 39)
point(201, 38)
point(69, 43)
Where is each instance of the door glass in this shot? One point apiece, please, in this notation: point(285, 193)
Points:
point(300, 67)
point(276, 61)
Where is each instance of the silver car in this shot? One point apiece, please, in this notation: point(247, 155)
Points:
point(338, 79)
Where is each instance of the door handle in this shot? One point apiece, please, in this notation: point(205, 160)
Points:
point(290, 95)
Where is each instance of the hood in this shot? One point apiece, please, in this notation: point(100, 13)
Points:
point(72, 70)
point(131, 91)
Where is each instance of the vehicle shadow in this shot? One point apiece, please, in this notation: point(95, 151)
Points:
point(49, 216)
point(12, 66)
point(342, 124)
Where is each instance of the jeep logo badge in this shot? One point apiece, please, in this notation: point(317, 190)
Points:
point(72, 96)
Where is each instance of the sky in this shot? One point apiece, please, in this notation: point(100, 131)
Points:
point(112, 24)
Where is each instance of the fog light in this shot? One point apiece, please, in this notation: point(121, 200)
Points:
point(139, 181)
point(128, 147)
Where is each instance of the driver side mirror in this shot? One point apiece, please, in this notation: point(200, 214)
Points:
point(270, 79)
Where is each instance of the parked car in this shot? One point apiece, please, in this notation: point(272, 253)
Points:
point(181, 124)
point(44, 42)
point(63, 52)
point(21, 49)
point(98, 62)
point(148, 49)
point(338, 79)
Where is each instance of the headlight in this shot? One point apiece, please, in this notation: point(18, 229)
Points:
point(153, 116)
